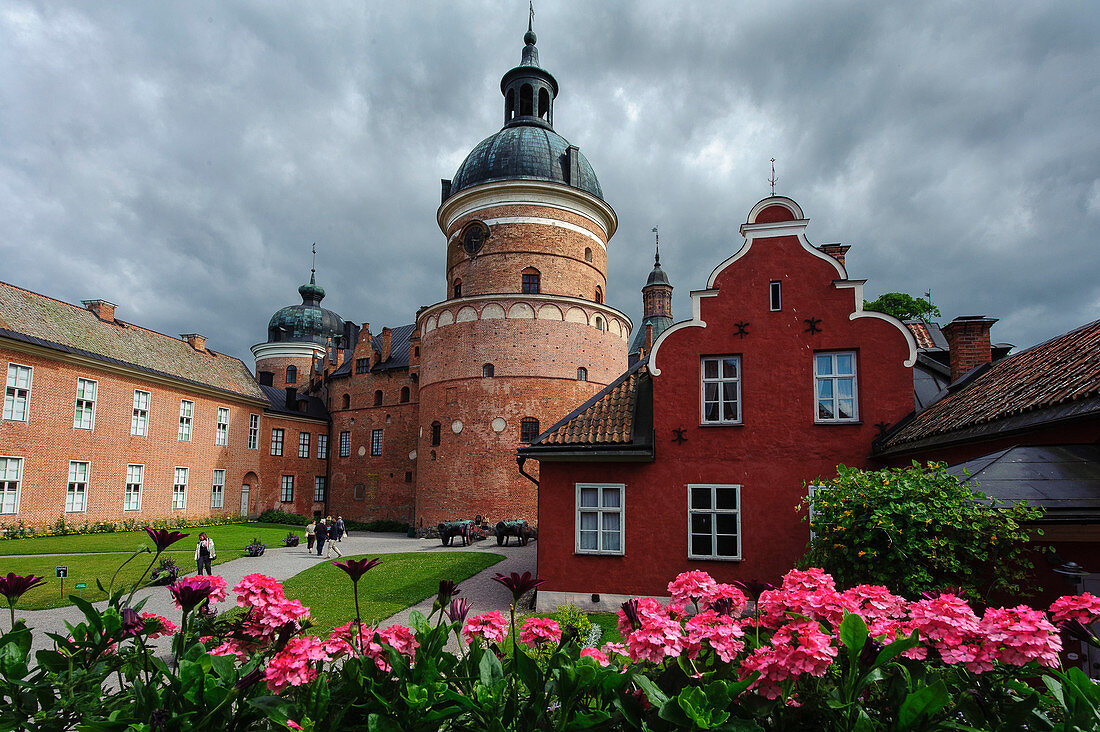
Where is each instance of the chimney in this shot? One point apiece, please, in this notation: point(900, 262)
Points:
point(414, 349)
point(968, 343)
point(292, 398)
point(102, 309)
point(338, 357)
point(387, 335)
point(648, 337)
point(328, 357)
point(196, 341)
point(836, 251)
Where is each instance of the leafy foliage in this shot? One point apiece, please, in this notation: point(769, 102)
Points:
point(917, 529)
point(283, 517)
point(65, 527)
point(903, 306)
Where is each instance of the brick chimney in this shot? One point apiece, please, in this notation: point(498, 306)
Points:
point(836, 251)
point(362, 348)
point(648, 337)
point(387, 337)
point(292, 398)
point(968, 341)
point(338, 357)
point(196, 341)
point(102, 309)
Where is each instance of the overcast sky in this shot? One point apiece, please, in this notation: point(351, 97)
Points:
point(179, 159)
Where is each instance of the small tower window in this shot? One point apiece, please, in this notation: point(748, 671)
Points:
point(532, 284)
point(347, 401)
point(599, 323)
point(582, 374)
point(378, 398)
point(544, 104)
point(526, 101)
point(488, 370)
point(599, 294)
point(458, 288)
point(510, 105)
point(437, 431)
point(404, 394)
point(588, 254)
point(292, 374)
point(776, 295)
point(528, 429)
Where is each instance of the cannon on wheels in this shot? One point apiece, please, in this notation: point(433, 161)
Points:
point(448, 530)
point(517, 528)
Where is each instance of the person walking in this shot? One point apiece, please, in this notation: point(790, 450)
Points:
point(340, 530)
point(204, 553)
point(311, 536)
point(334, 530)
point(333, 537)
point(322, 535)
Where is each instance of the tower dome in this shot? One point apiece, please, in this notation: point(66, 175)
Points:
point(307, 322)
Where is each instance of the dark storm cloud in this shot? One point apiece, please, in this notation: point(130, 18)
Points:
point(179, 159)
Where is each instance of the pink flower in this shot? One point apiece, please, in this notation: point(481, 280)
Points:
point(646, 607)
point(191, 591)
point(945, 623)
point(293, 666)
point(230, 648)
point(601, 658)
point(293, 725)
point(689, 587)
point(536, 631)
point(491, 626)
point(881, 610)
point(799, 647)
point(725, 599)
point(618, 649)
point(658, 638)
point(1021, 634)
point(258, 591)
point(158, 626)
point(721, 632)
point(1084, 609)
point(808, 580)
point(402, 639)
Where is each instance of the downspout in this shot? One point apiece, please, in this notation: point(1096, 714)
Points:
point(520, 460)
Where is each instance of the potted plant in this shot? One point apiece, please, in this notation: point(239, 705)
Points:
point(255, 549)
point(164, 573)
point(291, 539)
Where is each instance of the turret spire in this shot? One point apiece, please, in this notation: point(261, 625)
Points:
point(657, 256)
point(529, 89)
point(313, 268)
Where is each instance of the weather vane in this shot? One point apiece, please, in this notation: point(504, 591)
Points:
point(773, 180)
point(313, 269)
point(658, 237)
point(531, 19)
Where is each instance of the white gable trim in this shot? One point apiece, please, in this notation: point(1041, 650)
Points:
point(695, 322)
point(857, 287)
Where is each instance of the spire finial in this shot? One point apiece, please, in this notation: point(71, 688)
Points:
point(529, 37)
point(773, 180)
point(313, 269)
point(657, 256)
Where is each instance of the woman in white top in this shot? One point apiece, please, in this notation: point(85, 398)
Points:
point(311, 536)
point(204, 553)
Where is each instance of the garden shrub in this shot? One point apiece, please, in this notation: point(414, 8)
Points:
point(63, 527)
point(283, 517)
point(568, 616)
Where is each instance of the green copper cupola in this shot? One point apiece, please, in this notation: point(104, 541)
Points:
point(529, 89)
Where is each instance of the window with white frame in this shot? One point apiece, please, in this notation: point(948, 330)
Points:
point(815, 492)
point(76, 497)
point(277, 441)
point(599, 518)
point(84, 419)
point(217, 489)
point(322, 447)
point(11, 473)
point(303, 444)
point(835, 386)
point(221, 433)
point(775, 295)
point(721, 389)
point(714, 521)
point(319, 489)
point(287, 494)
point(139, 423)
point(17, 395)
point(253, 432)
point(187, 414)
point(345, 444)
point(376, 442)
point(131, 500)
point(179, 489)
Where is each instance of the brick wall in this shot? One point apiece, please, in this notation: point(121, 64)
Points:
point(268, 493)
point(277, 366)
point(968, 339)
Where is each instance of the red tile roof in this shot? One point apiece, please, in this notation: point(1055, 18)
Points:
point(606, 419)
point(921, 334)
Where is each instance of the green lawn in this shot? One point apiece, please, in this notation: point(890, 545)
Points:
point(399, 581)
point(226, 537)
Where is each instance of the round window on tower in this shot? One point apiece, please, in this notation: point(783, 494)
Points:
point(473, 236)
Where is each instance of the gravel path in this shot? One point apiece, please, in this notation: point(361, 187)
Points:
point(282, 563)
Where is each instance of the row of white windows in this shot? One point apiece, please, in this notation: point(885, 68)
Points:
point(714, 520)
point(76, 493)
point(835, 392)
point(286, 489)
point(278, 435)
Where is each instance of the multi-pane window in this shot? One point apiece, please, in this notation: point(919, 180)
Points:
point(292, 374)
point(835, 384)
point(322, 447)
point(775, 295)
point(139, 422)
point(287, 494)
point(345, 444)
point(721, 389)
point(253, 432)
point(76, 497)
point(187, 414)
point(599, 518)
point(531, 284)
point(18, 392)
point(303, 444)
point(84, 418)
point(319, 489)
point(582, 373)
point(131, 500)
point(528, 429)
point(179, 488)
point(488, 370)
point(221, 433)
point(362, 365)
point(714, 521)
point(277, 441)
point(376, 442)
point(11, 473)
point(217, 489)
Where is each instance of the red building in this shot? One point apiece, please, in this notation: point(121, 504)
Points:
point(697, 456)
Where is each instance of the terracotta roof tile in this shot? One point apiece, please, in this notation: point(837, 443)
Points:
point(605, 419)
point(921, 334)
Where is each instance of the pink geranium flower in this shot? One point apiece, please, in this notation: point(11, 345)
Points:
point(725, 599)
point(158, 626)
point(491, 626)
point(600, 656)
point(690, 587)
point(643, 608)
point(659, 637)
point(295, 664)
point(799, 647)
point(536, 631)
point(881, 610)
point(721, 632)
point(402, 639)
point(1021, 634)
point(1083, 608)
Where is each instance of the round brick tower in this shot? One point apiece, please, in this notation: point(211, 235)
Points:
point(523, 336)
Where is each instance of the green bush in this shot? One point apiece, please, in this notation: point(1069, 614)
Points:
point(390, 527)
point(569, 616)
point(61, 527)
point(283, 517)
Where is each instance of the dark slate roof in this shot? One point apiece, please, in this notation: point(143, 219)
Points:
point(1063, 479)
point(306, 405)
point(523, 152)
point(660, 325)
point(399, 351)
point(33, 318)
point(930, 381)
point(1055, 380)
point(307, 321)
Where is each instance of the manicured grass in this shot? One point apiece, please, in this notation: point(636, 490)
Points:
point(610, 624)
point(401, 580)
point(226, 537)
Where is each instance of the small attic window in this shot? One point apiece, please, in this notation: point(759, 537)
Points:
point(776, 293)
point(488, 370)
point(588, 254)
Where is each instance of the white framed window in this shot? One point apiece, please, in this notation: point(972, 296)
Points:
point(775, 295)
point(303, 444)
point(277, 441)
point(135, 474)
point(221, 432)
point(217, 489)
point(322, 447)
point(287, 493)
point(714, 521)
point(720, 392)
point(319, 489)
point(11, 475)
point(17, 395)
point(814, 492)
point(84, 418)
point(835, 387)
point(599, 518)
point(345, 444)
point(179, 489)
point(187, 415)
point(253, 432)
point(76, 496)
point(139, 423)
point(376, 442)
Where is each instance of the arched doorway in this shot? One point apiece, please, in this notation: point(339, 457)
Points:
point(250, 480)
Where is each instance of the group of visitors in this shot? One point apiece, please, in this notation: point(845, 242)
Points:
point(326, 533)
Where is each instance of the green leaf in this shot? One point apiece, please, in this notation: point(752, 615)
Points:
point(378, 723)
point(652, 691)
point(922, 704)
point(853, 634)
point(896, 648)
point(224, 666)
point(490, 670)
